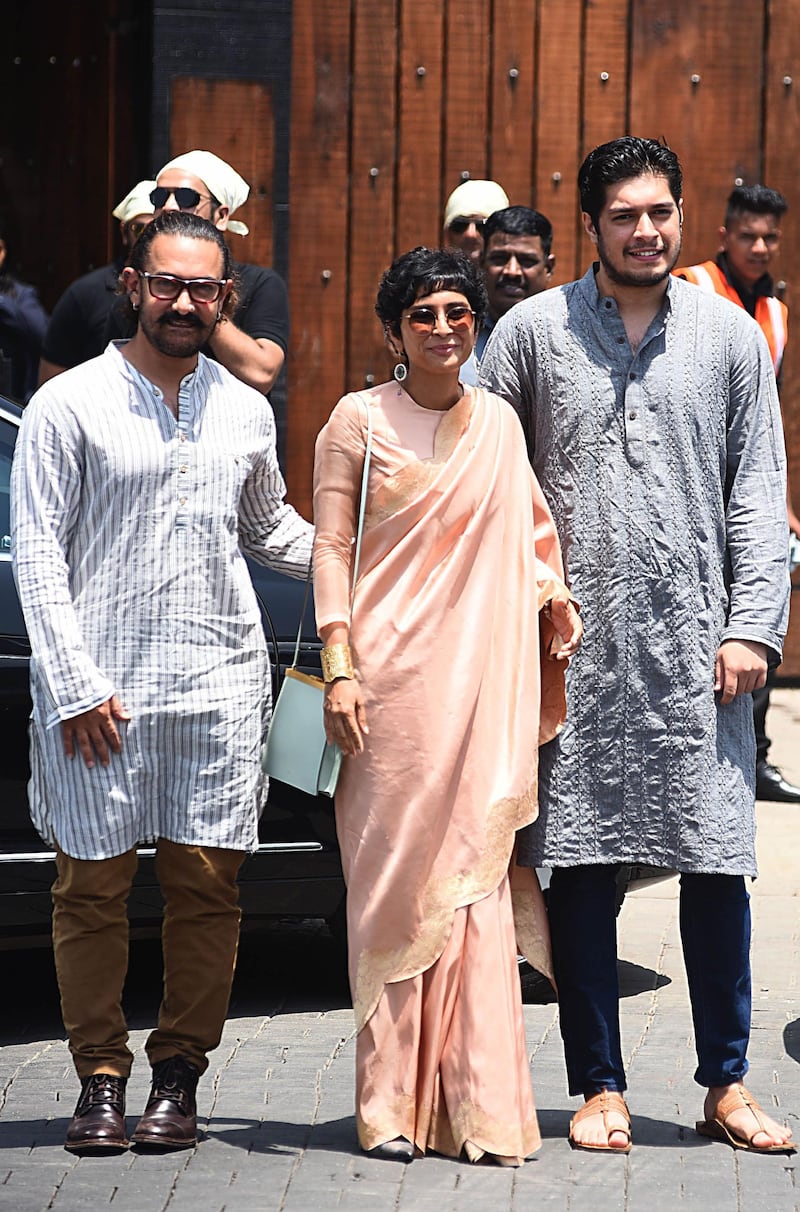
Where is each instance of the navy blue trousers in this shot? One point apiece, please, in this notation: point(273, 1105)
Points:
point(715, 933)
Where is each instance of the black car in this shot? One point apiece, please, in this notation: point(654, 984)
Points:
point(296, 870)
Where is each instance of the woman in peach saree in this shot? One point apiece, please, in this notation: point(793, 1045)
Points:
point(438, 695)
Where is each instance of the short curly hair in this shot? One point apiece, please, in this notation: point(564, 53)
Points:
point(423, 271)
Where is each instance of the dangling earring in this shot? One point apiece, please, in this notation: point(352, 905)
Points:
point(400, 372)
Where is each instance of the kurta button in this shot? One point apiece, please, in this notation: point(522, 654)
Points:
point(632, 376)
point(632, 416)
point(183, 500)
point(183, 470)
point(620, 340)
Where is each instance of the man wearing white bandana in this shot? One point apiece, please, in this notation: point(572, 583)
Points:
point(252, 345)
point(77, 326)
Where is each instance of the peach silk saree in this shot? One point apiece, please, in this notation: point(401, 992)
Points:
point(458, 556)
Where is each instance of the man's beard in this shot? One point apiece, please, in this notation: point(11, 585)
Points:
point(621, 277)
point(176, 338)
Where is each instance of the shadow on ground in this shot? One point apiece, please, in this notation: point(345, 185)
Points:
point(284, 967)
point(275, 1137)
point(657, 1133)
point(791, 1039)
point(634, 979)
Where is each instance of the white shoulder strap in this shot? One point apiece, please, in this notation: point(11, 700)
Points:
point(704, 279)
point(362, 507)
point(778, 330)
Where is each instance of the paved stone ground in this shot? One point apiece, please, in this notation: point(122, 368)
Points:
point(277, 1101)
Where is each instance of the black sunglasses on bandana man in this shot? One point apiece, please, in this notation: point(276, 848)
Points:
point(459, 226)
point(186, 198)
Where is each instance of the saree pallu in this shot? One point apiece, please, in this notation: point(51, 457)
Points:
point(458, 556)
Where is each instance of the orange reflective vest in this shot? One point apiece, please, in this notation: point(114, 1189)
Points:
point(771, 315)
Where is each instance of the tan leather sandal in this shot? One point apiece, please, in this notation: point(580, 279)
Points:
point(602, 1104)
point(717, 1128)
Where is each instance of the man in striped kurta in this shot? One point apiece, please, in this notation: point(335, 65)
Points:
point(140, 478)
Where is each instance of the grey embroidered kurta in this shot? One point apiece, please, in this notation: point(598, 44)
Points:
point(129, 526)
point(665, 472)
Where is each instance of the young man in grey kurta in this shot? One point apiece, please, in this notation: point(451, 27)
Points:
point(661, 454)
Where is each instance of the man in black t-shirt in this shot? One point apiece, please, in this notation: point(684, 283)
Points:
point(252, 345)
point(76, 331)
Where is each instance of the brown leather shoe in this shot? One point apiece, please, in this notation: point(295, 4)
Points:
point(169, 1120)
point(98, 1125)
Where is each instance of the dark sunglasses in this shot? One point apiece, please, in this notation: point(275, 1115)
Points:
point(167, 288)
point(459, 226)
point(422, 320)
point(186, 198)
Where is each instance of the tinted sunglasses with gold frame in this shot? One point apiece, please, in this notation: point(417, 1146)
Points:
point(422, 320)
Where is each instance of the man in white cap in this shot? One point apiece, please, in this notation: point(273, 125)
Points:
point(252, 345)
point(77, 326)
point(466, 211)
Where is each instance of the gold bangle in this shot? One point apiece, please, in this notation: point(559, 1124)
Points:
point(337, 662)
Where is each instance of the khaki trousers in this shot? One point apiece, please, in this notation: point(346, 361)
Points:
point(200, 936)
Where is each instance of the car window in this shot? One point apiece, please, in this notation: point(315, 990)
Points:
point(8, 433)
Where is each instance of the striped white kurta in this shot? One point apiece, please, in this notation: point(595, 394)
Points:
point(128, 529)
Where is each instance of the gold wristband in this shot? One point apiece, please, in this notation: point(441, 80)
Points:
point(337, 662)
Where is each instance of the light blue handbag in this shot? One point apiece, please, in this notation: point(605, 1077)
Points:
point(297, 751)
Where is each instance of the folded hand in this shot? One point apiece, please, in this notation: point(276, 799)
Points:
point(741, 668)
point(345, 715)
point(94, 732)
point(568, 626)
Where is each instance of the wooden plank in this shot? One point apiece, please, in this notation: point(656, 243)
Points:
point(781, 154)
point(558, 127)
point(234, 119)
point(373, 133)
point(419, 136)
point(605, 72)
point(513, 85)
point(54, 186)
point(465, 126)
point(696, 79)
point(318, 200)
point(605, 87)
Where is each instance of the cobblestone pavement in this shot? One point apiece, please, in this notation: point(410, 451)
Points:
point(277, 1102)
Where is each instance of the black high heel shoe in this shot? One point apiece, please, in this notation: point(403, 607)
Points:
point(397, 1150)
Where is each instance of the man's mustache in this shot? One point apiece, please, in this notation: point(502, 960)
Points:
point(183, 322)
